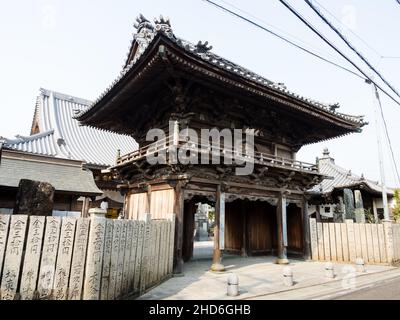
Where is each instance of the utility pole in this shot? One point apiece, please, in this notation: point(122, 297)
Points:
point(380, 154)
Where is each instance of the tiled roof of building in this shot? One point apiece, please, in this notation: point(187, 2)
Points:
point(64, 175)
point(342, 178)
point(56, 133)
point(146, 34)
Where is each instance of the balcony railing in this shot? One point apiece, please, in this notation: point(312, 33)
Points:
point(205, 148)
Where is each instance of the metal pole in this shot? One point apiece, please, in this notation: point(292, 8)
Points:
point(380, 154)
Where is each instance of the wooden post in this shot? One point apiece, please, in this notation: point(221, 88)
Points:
point(306, 231)
point(85, 207)
point(282, 230)
point(216, 264)
point(244, 252)
point(178, 210)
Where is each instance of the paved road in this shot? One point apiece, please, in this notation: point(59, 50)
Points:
point(388, 290)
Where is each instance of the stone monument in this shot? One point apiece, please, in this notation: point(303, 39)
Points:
point(34, 198)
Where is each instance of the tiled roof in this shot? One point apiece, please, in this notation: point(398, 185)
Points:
point(62, 136)
point(146, 33)
point(63, 175)
point(342, 178)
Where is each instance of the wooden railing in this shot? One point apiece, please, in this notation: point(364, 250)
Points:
point(204, 147)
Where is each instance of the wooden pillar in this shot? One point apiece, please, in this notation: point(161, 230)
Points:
point(217, 257)
point(85, 208)
point(281, 219)
point(178, 210)
point(244, 250)
point(306, 231)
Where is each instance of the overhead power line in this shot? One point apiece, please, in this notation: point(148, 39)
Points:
point(310, 26)
point(337, 31)
point(315, 9)
point(283, 38)
point(351, 31)
point(280, 30)
point(387, 133)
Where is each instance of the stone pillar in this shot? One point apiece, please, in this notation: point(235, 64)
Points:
point(97, 212)
point(217, 257)
point(349, 203)
point(306, 231)
point(359, 210)
point(282, 230)
point(388, 234)
point(375, 210)
point(178, 243)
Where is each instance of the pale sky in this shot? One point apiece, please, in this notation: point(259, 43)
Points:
point(78, 48)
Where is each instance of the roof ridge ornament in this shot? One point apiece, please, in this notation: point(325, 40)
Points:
point(142, 22)
point(203, 47)
point(163, 25)
point(334, 106)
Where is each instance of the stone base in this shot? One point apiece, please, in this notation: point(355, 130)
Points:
point(282, 261)
point(178, 275)
point(217, 267)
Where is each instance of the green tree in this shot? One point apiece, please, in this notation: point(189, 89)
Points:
point(396, 210)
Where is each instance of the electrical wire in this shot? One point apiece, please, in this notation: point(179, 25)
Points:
point(387, 133)
point(284, 39)
point(337, 31)
point(356, 35)
point(289, 35)
point(369, 80)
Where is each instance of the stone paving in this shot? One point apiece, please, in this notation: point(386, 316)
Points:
point(259, 278)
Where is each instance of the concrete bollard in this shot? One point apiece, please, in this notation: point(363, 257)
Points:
point(360, 265)
point(233, 285)
point(287, 276)
point(329, 270)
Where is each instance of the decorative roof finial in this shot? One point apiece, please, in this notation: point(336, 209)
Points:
point(334, 106)
point(142, 22)
point(326, 152)
point(203, 47)
point(163, 25)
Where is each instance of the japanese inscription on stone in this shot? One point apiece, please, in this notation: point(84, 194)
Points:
point(78, 259)
point(105, 277)
point(64, 258)
point(30, 270)
point(121, 254)
point(13, 257)
point(49, 255)
point(4, 221)
point(114, 259)
point(125, 275)
point(91, 289)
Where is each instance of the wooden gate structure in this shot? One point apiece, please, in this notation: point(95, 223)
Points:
point(170, 84)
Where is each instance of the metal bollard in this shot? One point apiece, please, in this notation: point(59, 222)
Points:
point(360, 265)
point(288, 276)
point(329, 270)
point(233, 285)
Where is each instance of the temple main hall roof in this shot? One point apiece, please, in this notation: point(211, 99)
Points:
point(56, 133)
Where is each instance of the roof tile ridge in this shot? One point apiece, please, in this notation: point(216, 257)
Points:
point(344, 172)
